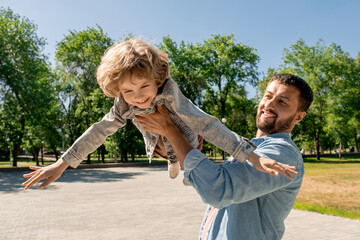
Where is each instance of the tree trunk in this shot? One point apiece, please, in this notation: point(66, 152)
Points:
point(103, 153)
point(18, 144)
point(124, 156)
point(356, 143)
point(340, 149)
point(35, 151)
point(7, 154)
point(88, 161)
point(115, 157)
point(317, 147)
point(56, 154)
point(42, 156)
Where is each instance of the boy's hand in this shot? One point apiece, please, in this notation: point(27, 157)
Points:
point(271, 166)
point(51, 173)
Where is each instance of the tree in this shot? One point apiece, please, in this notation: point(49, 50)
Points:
point(323, 68)
point(78, 56)
point(227, 66)
point(185, 68)
point(343, 120)
point(23, 69)
point(212, 74)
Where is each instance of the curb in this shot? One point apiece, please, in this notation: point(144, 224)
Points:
point(89, 166)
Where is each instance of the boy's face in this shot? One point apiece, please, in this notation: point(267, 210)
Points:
point(137, 91)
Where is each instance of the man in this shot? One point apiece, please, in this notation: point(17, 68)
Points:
point(245, 203)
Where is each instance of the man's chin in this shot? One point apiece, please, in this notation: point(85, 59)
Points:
point(266, 127)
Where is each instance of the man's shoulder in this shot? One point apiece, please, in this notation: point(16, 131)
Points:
point(279, 146)
point(278, 139)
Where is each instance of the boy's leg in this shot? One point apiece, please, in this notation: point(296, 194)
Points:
point(160, 151)
point(173, 164)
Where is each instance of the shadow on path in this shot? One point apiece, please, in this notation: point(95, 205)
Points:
point(10, 182)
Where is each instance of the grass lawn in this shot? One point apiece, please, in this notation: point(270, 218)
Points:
point(331, 186)
point(24, 162)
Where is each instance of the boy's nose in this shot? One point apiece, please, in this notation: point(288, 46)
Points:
point(138, 95)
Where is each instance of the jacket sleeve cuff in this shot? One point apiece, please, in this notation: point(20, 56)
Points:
point(192, 159)
point(71, 158)
point(244, 150)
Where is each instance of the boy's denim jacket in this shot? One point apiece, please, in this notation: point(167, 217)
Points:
point(190, 120)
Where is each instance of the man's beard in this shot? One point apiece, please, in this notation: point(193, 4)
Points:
point(275, 126)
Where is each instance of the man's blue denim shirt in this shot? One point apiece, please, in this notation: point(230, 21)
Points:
point(252, 204)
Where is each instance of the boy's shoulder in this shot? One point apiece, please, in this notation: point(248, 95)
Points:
point(170, 87)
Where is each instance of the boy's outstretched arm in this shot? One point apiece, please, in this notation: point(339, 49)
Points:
point(51, 173)
point(271, 166)
point(161, 123)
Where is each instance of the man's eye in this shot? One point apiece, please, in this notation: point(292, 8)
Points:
point(145, 86)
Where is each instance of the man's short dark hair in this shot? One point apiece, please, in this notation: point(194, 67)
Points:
point(306, 94)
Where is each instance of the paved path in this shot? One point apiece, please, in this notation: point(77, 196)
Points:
point(127, 203)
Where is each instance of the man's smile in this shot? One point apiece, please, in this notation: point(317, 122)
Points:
point(267, 114)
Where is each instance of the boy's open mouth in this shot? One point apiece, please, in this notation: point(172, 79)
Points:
point(143, 102)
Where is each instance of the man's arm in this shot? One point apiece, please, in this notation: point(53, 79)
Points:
point(219, 186)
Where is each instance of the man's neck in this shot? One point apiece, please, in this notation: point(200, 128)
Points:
point(260, 133)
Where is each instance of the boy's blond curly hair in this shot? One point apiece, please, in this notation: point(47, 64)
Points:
point(135, 57)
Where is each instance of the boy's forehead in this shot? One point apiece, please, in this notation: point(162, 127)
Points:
point(129, 80)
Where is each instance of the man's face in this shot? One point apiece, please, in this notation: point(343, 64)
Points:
point(277, 111)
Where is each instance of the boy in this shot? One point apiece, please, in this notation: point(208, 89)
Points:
point(137, 75)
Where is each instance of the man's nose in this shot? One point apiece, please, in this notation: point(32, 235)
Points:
point(270, 103)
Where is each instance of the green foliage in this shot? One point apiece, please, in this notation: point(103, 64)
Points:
point(26, 80)
point(327, 69)
point(212, 74)
point(40, 106)
point(78, 56)
point(262, 84)
point(185, 68)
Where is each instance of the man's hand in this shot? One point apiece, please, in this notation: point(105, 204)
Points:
point(161, 123)
point(271, 166)
point(158, 122)
point(160, 150)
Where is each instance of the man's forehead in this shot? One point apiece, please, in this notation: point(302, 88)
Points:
point(278, 88)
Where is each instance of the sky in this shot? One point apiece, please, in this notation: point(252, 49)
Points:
point(268, 26)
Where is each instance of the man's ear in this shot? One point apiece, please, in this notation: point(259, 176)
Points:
point(299, 117)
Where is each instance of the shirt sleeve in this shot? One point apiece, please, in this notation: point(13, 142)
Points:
point(209, 127)
point(94, 136)
point(221, 186)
